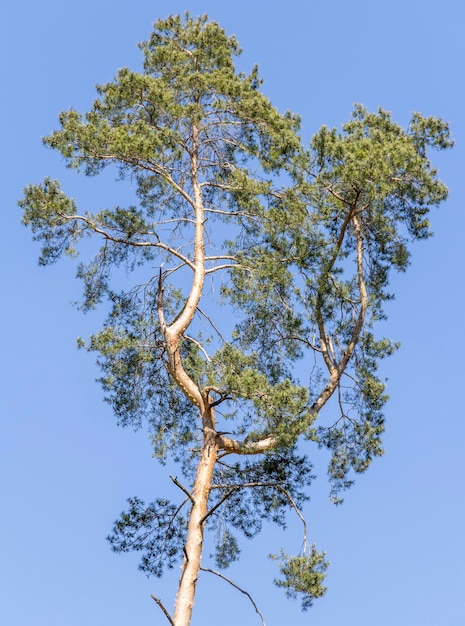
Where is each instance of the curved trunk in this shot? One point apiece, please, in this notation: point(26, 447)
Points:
point(194, 541)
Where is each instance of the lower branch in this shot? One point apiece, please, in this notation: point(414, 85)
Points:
point(163, 608)
point(228, 580)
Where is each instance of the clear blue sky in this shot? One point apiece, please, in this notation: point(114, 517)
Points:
point(397, 545)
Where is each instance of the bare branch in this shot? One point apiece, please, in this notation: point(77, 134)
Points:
point(223, 257)
point(207, 317)
point(163, 608)
point(219, 503)
point(199, 346)
point(229, 445)
point(224, 267)
point(127, 242)
point(248, 216)
point(182, 488)
point(228, 580)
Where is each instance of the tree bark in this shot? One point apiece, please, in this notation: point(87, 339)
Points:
point(194, 542)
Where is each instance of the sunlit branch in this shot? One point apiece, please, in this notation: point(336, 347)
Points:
point(176, 220)
point(363, 300)
point(174, 331)
point(253, 218)
point(211, 270)
point(223, 395)
point(229, 446)
point(220, 257)
point(199, 346)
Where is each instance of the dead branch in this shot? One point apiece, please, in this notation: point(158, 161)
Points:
point(212, 571)
point(182, 488)
point(163, 608)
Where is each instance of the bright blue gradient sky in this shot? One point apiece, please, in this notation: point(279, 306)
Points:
point(397, 545)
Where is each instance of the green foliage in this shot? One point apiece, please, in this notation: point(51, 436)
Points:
point(297, 243)
point(158, 529)
point(260, 489)
point(364, 191)
point(249, 491)
point(46, 211)
point(302, 575)
point(226, 550)
point(277, 406)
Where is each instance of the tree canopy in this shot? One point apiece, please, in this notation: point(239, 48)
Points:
point(243, 288)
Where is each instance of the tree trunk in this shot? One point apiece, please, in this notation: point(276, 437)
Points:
point(194, 541)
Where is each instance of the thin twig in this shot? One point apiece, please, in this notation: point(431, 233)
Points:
point(122, 240)
point(218, 504)
point(182, 488)
point(199, 346)
point(232, 488)
point(163, 608)
point(211, 323)
point(212, 571)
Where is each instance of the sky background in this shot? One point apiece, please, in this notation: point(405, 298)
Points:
point(397, 545)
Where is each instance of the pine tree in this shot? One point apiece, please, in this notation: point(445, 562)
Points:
point(253, 258)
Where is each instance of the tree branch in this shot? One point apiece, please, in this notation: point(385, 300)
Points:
point(228, 580)
point(209, 319)
point(337, 369)
point(363, 300)
point(223, 267)
point(233, 488)
point(199, 346)
point(219, 503)
point(163, 608)
point(182, 488)
point(229, 445)
point(321, 287)
point(136, 244)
